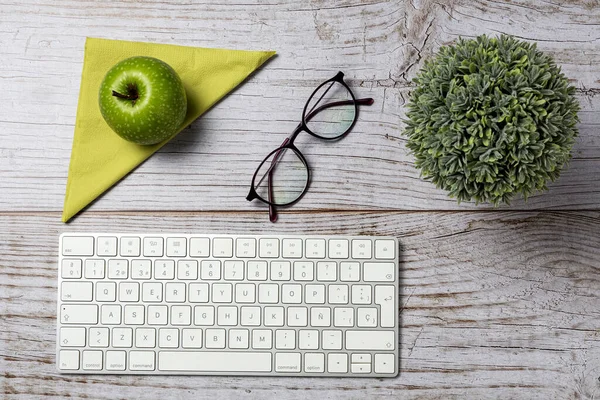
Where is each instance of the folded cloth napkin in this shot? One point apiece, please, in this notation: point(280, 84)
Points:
point(100, 158)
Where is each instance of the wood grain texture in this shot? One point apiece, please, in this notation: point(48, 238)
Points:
point(512, 314)
point(495, 303)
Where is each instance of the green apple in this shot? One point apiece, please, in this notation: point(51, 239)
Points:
point(143, 100)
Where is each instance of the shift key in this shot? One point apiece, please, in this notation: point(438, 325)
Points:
point(79, 314)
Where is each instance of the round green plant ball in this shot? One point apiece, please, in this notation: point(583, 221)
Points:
point(491, 118)
point(143, 100)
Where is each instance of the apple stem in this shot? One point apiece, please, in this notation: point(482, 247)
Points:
point(132, 96)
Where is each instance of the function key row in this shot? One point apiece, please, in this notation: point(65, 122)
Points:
point(227, 247)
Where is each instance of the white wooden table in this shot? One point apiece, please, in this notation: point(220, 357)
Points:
point(496, 303)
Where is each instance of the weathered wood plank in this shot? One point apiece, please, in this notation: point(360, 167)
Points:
point(494, 305)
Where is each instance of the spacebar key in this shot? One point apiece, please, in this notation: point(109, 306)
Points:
point(214, 361)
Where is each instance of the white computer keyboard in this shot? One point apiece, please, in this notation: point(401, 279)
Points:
point(227, 305)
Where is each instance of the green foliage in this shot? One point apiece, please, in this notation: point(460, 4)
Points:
point(491, 118)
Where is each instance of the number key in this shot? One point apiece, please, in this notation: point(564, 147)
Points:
point(117, 269)
point(211, 270)
point(71, 269)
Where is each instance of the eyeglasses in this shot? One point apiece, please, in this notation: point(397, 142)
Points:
point(283, 177)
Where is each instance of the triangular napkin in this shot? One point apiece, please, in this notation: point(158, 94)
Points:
point(100, 158)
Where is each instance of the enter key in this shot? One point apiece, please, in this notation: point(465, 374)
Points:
point(384, 296)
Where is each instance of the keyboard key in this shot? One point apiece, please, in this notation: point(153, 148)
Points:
point(94, 269)
point(303, 271)
point(181, 315)
point(384, 296)
point(361, 368)
point(214, 361)
point(70, 269)
point(111, 314)
point(164, 269)
point(379, 272)
point(191, 338)
point(337, 363)
point(314, 294)
point(273, 316)
point(187, 270)
point(314, 362)
point(361, 358)
point(222, 292)
point(233, 270)
point(92, 360)
point(77, 246)
point(287, 362)
point(326, 271)
point(122, 337)
point(129, 292)
point(257, 271)
point(367, 317)
point(338, 294)
point(281, 270)
point(361, 248)
point(320, 316)
point(210, 270)
point(227, 316)
point(134, 315)
point(153, 247)
point(215, 338)
point(385, 249)
point(141, 269)
point(309, 340)
point(338, 248)
point(285, 339)
point(245, 293)
point(238, 338)
point(349, 271)
point(79, 314)
point(72, 337)
point(245, 248)
point(76, 291)
point(343, 317)
point(175, 292)
point(98, 337)
point(115, 360)
point(269, 248)
point(315, 248)
point(332, 340)
point(262, 339)
point(106, 246)
point(204, 315)
point(384, 363)
point(145, 337)
point(361, 294)
point(168, 338)
point(250, 316)
point(268, 293)
point(291, 248)
point(222, 247)
point(152, 292)
point(130, 247)
point(291, 294)
point(199, 247)
point(141, 360)
point(297, 316)
point(176, 247)
point(157, 315)
point(68, 359)
point(117, 269)
point(370, 340)
point(198, 293)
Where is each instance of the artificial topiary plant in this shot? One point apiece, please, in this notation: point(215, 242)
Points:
point(491, 118)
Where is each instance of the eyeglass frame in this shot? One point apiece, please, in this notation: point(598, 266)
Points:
point(288, 143)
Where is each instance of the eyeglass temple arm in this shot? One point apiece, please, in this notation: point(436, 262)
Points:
point(367, 101)
point(272, 210)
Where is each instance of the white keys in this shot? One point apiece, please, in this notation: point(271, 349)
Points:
point(130, 247)
point(68, 359)
point(297, 316)
point(94, 269)
point(153, 246)
point(222, 247)
point(175, 292)
point(309, 339)
point(338, 294)
point(332, 340)
point(257, 271)
point(191, 338)
point(281, 270)
point(268, 293)
point(98, 337)
point(198, 293)
point(106, 246)
point(384, 296)
point(227, 316)
point(385, 249)
point(287, 362)
point(273, 316)
point(367, 317)
point(361, 248)
point(111, 314)
point(291, 248)
point(157, 315)
point(262, 339)
point(141, 360)
point(141, 269)
point(314, 294)
point(337, 363)
point(245, 248)
point(338, 248)
point(215, 338)
point(349, 271)
point(164, 269)
point(76, 291)
point(245, 293)
point(92, 360)
point(71, 269)
point(343, 316)
point(79, 314)
point(250, 316)
point(320, 316)
point(187, 270)
point(134, 315)
point(199, 247)
point(222, 292)
point(145, 338)
point(168, 338)
point(152, 292)
point(72, 337)
point(291, 294)
point(117, 269)
point(370, 340)
point(129, 291)
point(314, 362)
point(326, 271)
point(210, 270)
point(269, 248)
point(315, 248)
point(233, 270)
point(238, 338)
point(379, 272)
point(384, 363)
point(361, 294)
point(181, 315)
point(122, 337)
point(303, 271)
point(77, 246)
point(204, 315)
point(214, 361)
point(115, 360)
point(176, 247)
point(285, 339)
point(361, 368)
